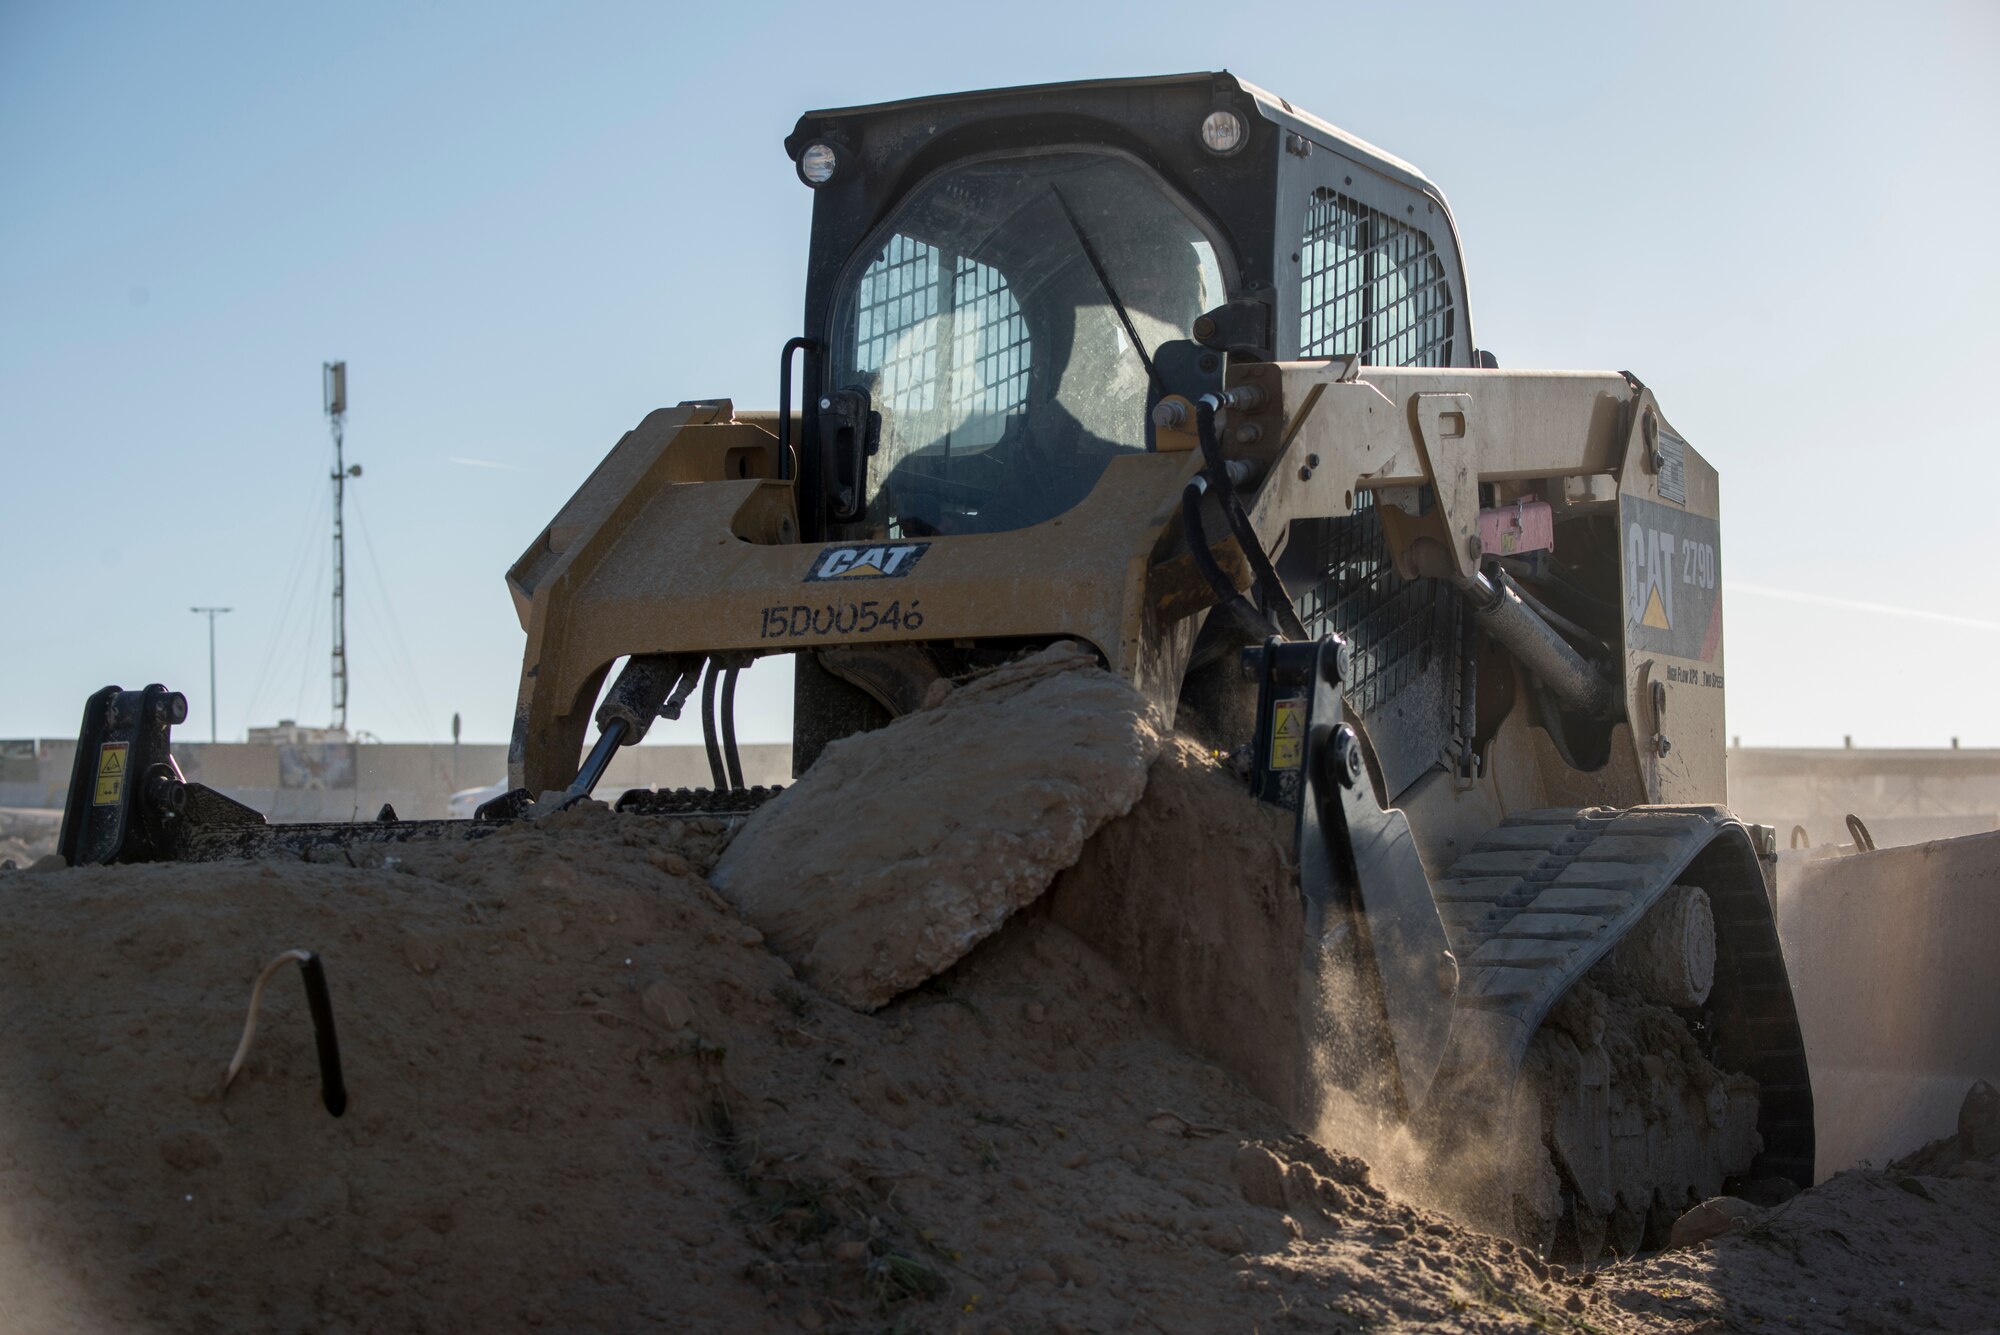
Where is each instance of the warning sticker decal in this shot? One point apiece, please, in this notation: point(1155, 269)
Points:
point(1673, 580)
point(1288, 734)
point(110, 773)
point(1673, 468)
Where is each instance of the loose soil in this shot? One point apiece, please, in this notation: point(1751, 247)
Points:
point(586, 1093)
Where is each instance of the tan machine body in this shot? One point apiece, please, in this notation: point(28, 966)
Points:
point(683, 541)
point(1173, 370)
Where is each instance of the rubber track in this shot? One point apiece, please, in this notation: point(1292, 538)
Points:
point(1546, 894)
point(696, 801)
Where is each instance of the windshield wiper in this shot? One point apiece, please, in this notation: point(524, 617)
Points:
point(1104, 281)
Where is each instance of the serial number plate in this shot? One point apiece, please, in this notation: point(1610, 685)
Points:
point(800, 621)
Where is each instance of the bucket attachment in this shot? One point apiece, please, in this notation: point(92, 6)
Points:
point(128, 801)
point(1358, 868)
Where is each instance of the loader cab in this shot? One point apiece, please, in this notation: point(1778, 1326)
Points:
point(1000, 284)
point(1000, 327)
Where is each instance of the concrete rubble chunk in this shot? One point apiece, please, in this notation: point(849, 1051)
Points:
point(1712, 1218)
point(902, 848)
point(1260, 1175)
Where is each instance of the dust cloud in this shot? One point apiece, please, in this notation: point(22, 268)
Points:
point(1467, 1152)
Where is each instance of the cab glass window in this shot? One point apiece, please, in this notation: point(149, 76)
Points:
point(993, 326)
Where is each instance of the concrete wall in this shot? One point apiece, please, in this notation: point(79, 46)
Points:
point(1894, 958)
point(353, 780)
point(1903, 796)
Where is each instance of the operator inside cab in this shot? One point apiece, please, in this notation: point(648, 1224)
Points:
point(992, 320)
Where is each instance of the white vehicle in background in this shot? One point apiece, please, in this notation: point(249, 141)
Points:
point(467, 801)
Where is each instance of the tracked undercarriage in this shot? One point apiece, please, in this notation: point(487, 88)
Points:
point(1638, 1124)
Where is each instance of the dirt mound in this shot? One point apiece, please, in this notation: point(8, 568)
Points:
point(1868, 1251)
point(903, 848)
point(586, 1094)
point(1192, 895)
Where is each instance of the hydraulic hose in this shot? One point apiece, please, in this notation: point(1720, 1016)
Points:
point(729, 753)
point(1222, 476)
point(715, 771)
point(1247, 616)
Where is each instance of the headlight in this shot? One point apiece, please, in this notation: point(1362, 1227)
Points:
point(816, 164)
point(1222, 132)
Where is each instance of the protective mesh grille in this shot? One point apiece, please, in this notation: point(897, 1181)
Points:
point(990, 379)
point(1374, 286)
point(907, 312)
point(1392, 626)
point(895, 329)
point(1371, 285)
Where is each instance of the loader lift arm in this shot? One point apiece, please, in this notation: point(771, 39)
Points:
point(1357, 864)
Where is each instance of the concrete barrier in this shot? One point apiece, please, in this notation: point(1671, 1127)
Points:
point(1906, 796)
point(1895, 961)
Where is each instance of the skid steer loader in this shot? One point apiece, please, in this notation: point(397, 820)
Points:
point(1173, 370)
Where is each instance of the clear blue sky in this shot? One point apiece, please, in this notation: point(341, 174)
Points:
point(524, 227)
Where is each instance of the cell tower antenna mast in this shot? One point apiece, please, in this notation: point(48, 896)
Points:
point(334, 379)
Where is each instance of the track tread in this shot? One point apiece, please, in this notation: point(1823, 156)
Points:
point(1543, 896)
point(1538, 900)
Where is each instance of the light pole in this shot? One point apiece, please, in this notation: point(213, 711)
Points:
point(212, 613)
